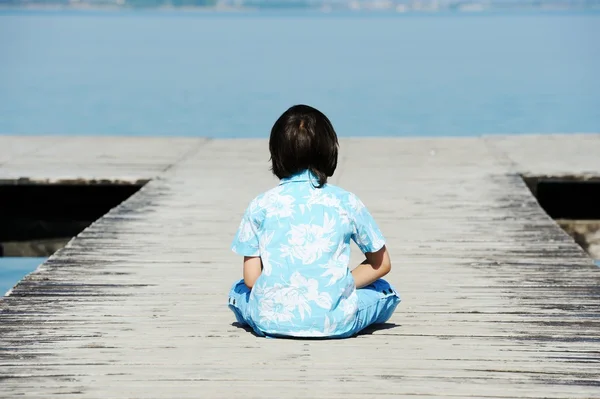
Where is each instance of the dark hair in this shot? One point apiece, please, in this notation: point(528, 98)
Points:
point(303, 138)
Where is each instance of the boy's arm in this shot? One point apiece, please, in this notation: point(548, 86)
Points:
point(252, 269)
point(376, 266)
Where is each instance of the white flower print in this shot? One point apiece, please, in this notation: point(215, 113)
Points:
point(337, 266)
point(246, 230)
point(260, 290)
point(318, 197)
point(302, 291)
point(349, 306)
point(273, 311)
point(277, 204)
point(273, 305)
point(329, 201)
point(308, 242)
point(254, 206)
point(344, 216)
point(376, 240)
point(265, 254)
point(329, 327)
point(336, 273)
point(355, 203)
point(361, 239)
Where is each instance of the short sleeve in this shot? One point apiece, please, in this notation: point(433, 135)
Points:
point(365, 233)
point(245, 242)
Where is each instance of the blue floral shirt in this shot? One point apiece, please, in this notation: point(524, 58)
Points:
point(302, 235)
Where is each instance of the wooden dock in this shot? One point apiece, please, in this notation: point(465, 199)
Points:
point(498, 302)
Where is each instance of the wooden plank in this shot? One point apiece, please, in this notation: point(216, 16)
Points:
point(497, 300)
point(12, 147)
point(550, 155)
point(113, 158)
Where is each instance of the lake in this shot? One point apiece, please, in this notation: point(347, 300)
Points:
point(232, 74)
point(14, 269)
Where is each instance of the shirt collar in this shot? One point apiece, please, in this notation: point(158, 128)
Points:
point(305, 175)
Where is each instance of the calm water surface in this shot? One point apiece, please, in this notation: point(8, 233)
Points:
point(230, 75)
point(14, 269)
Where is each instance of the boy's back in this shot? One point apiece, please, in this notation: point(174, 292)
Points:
point(302, 234)
point(295, 239)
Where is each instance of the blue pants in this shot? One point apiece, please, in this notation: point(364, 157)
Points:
point(376, 304)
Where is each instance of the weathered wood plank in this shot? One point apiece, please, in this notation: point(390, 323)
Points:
point(71, 158)
point(497, 300)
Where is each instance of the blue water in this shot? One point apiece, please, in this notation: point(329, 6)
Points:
point(230, 75)
point(14, 269)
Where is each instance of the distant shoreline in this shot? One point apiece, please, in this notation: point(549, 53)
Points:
point(489, 8)
point(59, 7)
